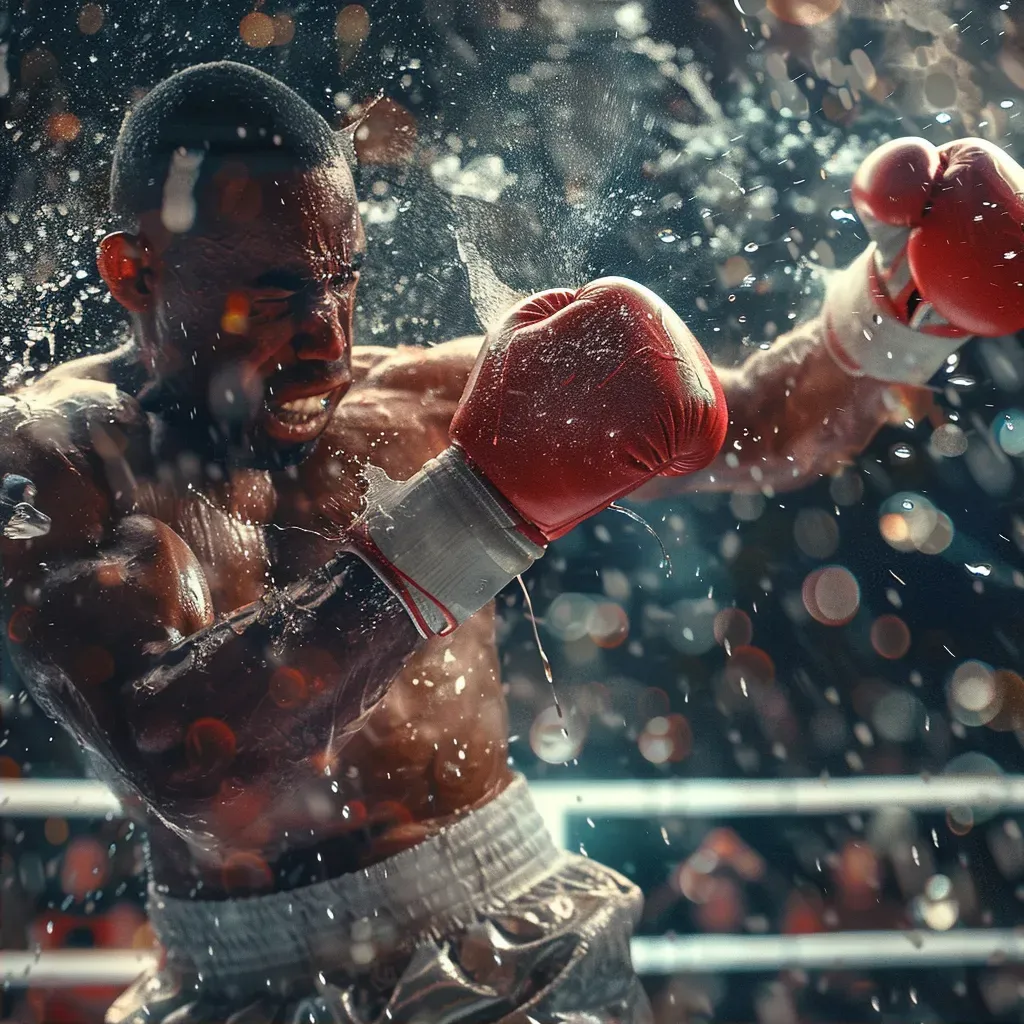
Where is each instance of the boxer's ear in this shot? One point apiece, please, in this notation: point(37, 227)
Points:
point(124, 263)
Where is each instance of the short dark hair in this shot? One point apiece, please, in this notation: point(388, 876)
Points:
point(223, 110)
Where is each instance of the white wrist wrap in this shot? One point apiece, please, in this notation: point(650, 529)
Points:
point(450, 545)
point(865, 337)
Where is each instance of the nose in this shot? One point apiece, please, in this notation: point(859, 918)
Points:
point(322, 333)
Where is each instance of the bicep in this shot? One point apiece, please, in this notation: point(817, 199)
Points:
point(95, 618)
point(441, 370)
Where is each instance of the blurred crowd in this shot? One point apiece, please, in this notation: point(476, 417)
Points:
point(870, 624)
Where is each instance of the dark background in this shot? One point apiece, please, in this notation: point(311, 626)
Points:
point(706, 153)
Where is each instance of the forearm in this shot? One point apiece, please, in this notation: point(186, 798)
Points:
point(794, 415)
point(343, 606)
point(128, 666)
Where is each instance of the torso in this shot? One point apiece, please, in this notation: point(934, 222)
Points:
point(435, 746)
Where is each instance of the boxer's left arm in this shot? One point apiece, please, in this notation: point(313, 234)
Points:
point(946, 264)
point(794, 416)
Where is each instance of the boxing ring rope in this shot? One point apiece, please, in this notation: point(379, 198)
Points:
point(558, 802)
point(692, 798)
point(651, 956)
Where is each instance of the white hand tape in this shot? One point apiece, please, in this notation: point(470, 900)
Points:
point(864, 335)
point(450, 544)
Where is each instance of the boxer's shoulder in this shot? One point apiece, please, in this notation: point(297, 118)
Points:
point(58, 431)
point(439, 369)
point(81, 390)
point(396, 416)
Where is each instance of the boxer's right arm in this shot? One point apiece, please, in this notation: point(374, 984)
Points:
point(111, 625)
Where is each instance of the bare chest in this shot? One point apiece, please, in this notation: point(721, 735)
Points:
point(251, 529)
point(393, 430)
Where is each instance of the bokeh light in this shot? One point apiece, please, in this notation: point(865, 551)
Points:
point(608, 625)
point(558, 737)
point(974, 696)
point(56, 831)
point(569, 616)
point(90, 19)
point(816, 532)
point(890, 636)
point(693, 630)
point(911, 522)
point(733, 628)
point(937, 907)
point(1010, 717)
point(831, 595)
point(244, 870)
point(804, 13)
point(284, 28)
point(1009, 431)
point(85, 868)
point(19, 625)
point(352, 25)
point(256, 30)
point(847, 488)
point(949, 440)
point(897, 715)
point(666, 739)
point(209, 745)
point(749, 667)
point(858, 875)
point(63, 127)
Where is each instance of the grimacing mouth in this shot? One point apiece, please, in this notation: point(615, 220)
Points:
point(300, 418)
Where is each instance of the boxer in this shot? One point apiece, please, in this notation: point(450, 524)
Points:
point(262, 600)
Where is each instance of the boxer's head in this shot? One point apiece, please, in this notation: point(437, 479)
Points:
point(238, 256)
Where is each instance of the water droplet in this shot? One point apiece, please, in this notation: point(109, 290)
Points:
point(981, 569)
point(902, 451)
point(843, 215)
point(963, 381)
point(751, 247)
point(668, 236)
point(548, 674)
point(666, 561)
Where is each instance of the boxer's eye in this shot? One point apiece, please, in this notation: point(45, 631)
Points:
point(339, 282)
point(274, 304)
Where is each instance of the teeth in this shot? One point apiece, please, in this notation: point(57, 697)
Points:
point(300, 411)
point(305, 406)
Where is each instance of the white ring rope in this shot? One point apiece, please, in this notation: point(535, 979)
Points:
point(559, 801)
point(651, 956)
point(78, 798)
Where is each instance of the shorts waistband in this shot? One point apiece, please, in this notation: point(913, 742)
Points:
point(466, 870)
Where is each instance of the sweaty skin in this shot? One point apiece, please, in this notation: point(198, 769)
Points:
point(432, 748)
point(355, 740)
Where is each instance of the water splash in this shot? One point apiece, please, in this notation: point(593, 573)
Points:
point(548, 674)
point(666, 559)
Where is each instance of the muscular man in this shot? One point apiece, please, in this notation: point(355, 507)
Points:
point(283, 658)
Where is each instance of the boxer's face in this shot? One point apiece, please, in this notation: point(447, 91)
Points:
point(250, 316)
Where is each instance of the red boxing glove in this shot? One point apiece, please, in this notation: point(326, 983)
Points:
point(576, 399)
point(601, 388)
point(948, 259)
